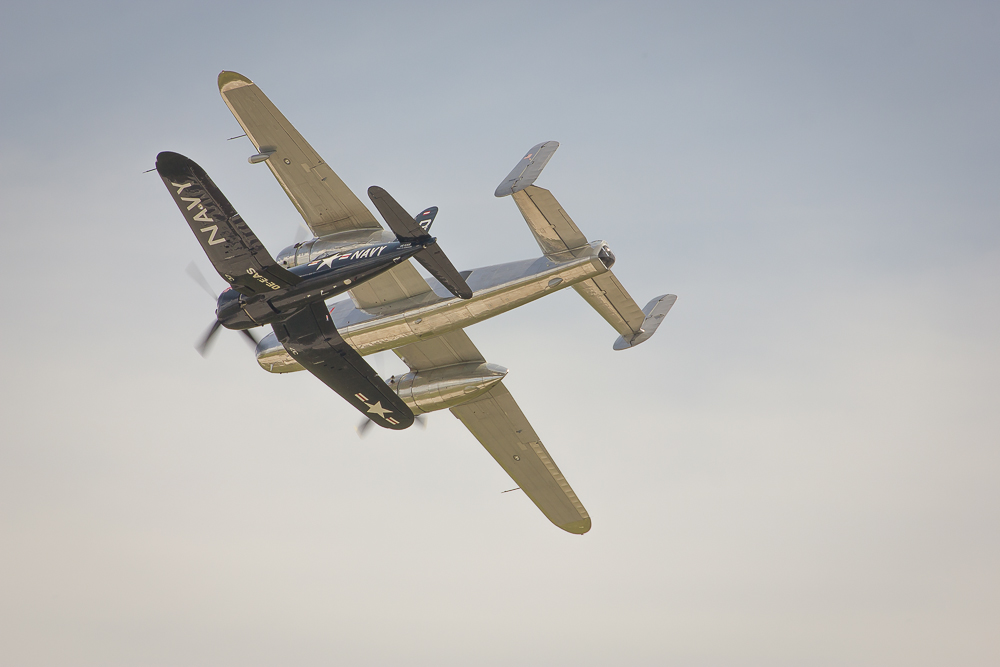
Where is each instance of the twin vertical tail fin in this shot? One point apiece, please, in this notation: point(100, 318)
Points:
point(415, 230)
point(528, 169)
point(559, 238)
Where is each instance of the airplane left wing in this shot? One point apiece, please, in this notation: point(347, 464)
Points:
point(324, 201)
point(498, 423)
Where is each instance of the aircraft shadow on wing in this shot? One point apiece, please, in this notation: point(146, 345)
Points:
point(390, 305)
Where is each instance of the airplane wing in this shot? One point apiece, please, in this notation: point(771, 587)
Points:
point(232, 247)
point(311, 338)
point(500, 426)
point(324, 201)
point(326, 204)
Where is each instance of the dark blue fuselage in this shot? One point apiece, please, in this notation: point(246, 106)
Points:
point(321, 279)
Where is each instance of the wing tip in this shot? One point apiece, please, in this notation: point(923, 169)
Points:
point(577, 527)
point(173, 164)
point(229, 80)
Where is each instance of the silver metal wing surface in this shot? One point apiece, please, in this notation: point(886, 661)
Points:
point(323, 200)
point(501, 427)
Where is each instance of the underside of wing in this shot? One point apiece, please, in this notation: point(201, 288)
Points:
point(324, 201)
point(311, 338)
point(498, 423)
point(496, 420)
point(232, 247)
point(398, 283)
point(609, 298)
point(326, 204)
point(447, 349)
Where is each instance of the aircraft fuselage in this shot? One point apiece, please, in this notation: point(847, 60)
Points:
point(321, 279)
point(496, 289)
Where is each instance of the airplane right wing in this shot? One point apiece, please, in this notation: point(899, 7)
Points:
point(500, 426)
point(498, 423)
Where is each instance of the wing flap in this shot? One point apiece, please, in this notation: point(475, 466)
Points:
point(324, 201)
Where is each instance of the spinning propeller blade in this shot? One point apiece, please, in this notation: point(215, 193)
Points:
point(202, 347)
point(197, 276)
point(301, 234)
point(362, 428)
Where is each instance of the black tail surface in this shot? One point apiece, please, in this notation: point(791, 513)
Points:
point(414, 230)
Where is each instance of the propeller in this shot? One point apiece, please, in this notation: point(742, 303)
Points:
point(301, 234)
point(196, 275)
point(419, 420)
point(202, 347)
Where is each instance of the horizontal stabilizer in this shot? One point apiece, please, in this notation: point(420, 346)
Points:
point(234, 250)
point(553, 229)
point(654, 311)
point(411, 230)
point(528, 169)
point(406, 228)
point(438, 265)
point(611, 300)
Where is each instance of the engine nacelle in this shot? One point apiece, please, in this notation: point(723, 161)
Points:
point(440, 388)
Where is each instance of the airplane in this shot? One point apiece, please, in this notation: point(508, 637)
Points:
point(391, 306)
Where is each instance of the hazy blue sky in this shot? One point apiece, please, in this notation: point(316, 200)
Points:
point(800, 468)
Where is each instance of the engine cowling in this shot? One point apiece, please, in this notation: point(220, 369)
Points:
point(441, 388)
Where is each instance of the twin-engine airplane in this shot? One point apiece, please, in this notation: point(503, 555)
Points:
point(391, 306)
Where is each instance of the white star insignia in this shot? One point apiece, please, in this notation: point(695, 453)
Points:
point(378, 409)
point(325, 262)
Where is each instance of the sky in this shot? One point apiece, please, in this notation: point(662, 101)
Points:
point(799, 468)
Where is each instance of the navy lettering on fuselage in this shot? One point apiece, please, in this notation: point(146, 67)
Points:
point(364, 253)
